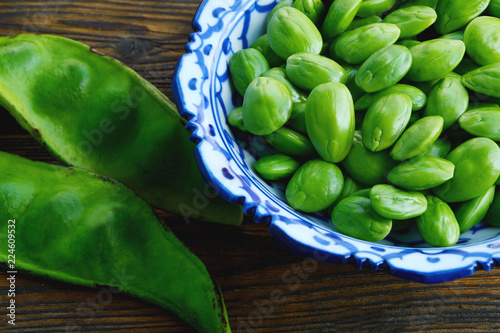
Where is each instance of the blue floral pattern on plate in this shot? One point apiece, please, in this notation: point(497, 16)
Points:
point(204, 96)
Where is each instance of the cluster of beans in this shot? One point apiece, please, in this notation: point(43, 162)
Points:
point(385, 112)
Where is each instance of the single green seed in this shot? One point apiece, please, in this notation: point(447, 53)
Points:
point(473, 211)
point(455, 14)
point(417, 138)
point(355, 46)
point(276, 167)
point(290, 142)
point(339, 17)
point(267, 106)
point(375, 7)
point(384, 68)
point(355, 217)
point(385, 121)
point(428, 3)
point(290, 31)
point(297, 120)
point(315, 186)
point(483, 122)
point(418, 98)
point(330, 121)
point(262, 45)
point(412, 20)
point(315, 10)
point(477, 167)
point(484, 80)
point(448, 99)
point(438, 225)
point(434, 59)
point(309, 70)
point(393, 203)
point(421, 173)
point(245, 66)
point(235, 119)
point(366, 166)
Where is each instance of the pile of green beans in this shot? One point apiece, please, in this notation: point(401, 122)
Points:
point(385, 113)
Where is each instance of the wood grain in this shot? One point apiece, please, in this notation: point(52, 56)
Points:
point(251, 267)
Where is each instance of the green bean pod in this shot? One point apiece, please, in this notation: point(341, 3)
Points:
point(78, 227)
point(330, 121)
point(438, 225)
point(92, 112)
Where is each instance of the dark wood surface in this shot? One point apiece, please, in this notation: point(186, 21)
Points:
point(248, 264)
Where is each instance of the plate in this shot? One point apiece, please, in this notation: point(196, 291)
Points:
point(205, 96)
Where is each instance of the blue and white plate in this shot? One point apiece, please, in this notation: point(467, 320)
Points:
point(205, 97)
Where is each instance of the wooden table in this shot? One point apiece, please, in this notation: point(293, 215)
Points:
point(248, 264)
